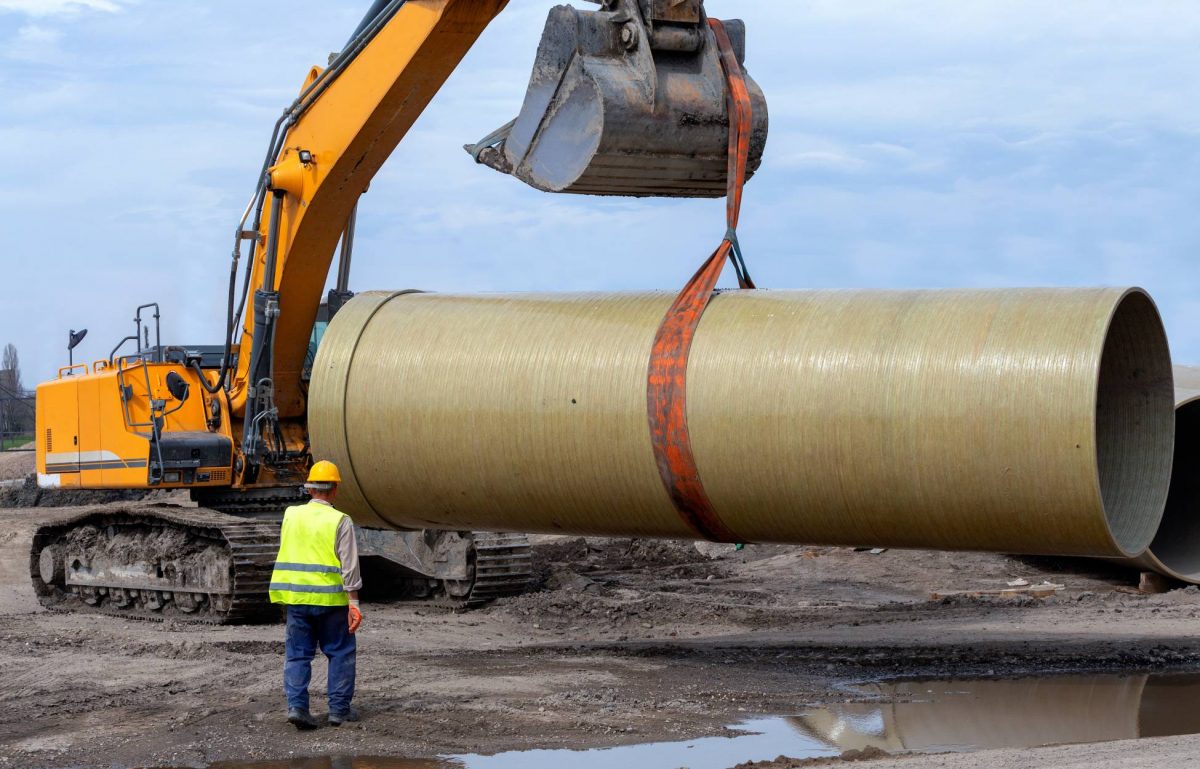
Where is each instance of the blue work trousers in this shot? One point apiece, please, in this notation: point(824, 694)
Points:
point(326, 627)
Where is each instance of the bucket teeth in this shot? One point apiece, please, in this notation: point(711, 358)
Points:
point(619, 106)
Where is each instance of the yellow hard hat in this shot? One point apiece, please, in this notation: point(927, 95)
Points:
point(324, 472)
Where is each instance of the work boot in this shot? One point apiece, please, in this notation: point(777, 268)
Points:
point(302, 719)
point(337, 719)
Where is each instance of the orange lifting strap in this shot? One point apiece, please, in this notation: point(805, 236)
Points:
point(666, 398)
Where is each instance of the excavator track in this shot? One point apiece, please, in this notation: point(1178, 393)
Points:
point(156, 563)
point(204, 566)
point(268, 504)
point(503, 567)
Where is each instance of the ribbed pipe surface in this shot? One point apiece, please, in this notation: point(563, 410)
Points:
point(1026, 421)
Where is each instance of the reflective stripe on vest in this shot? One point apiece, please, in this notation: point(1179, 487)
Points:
point(307, 569)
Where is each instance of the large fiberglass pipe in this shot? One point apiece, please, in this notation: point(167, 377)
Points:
point(1025, 421)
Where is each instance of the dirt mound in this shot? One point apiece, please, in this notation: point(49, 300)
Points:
point(596, 557)
point(29, 494)
point(625, 584)
point(15, 465)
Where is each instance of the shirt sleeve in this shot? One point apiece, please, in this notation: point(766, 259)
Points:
point(346, 546)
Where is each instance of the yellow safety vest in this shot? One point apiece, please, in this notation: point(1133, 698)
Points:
point(307, 569)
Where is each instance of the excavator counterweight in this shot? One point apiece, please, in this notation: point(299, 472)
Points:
point(628, 100)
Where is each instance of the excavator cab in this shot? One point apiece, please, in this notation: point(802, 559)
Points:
point(629, 100)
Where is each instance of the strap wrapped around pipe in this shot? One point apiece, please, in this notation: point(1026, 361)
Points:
point(1024, 421)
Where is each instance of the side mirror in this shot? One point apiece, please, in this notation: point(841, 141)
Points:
point(177, 386)
point(73, 341)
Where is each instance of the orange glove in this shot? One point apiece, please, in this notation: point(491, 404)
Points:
point(355, 617)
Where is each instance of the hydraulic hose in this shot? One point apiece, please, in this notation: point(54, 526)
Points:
point(379, 14)
point(217, 386)
point(376, 8)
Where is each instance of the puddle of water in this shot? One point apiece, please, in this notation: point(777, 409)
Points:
point(766, 738)
point(910, 717)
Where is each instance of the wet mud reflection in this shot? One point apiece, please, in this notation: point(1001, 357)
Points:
point(936, 716)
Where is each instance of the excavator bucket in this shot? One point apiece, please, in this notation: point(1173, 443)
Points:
point(628, 100)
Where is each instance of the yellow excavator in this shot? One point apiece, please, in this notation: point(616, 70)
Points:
point(628, 99)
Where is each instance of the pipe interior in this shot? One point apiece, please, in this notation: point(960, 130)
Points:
point(1177, 544)
point(1135, 423)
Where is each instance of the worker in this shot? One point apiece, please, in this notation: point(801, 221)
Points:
point(317, 577)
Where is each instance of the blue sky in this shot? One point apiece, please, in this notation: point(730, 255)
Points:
point(927, 143)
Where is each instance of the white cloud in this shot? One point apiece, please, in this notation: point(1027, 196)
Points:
point(34, 43)
point(59, 7)
point(824, 160)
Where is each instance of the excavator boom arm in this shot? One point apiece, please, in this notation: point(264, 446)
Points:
point(345, 134)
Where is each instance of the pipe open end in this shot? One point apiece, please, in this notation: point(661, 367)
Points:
point(1135, 423)
point(1177, 544)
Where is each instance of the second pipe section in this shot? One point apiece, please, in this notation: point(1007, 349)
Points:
point(1175, 550)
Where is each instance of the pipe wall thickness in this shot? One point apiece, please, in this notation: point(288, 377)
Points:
point(1027, 421)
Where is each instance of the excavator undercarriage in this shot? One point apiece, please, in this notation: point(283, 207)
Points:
point(199, 565)
point(157, 562)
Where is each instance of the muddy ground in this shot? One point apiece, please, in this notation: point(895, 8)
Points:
point(624, 642)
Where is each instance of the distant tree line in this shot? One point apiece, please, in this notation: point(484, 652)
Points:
point(16, 403)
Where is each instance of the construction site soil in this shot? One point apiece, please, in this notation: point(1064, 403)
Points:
point(16, 465)
point(622, 642)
